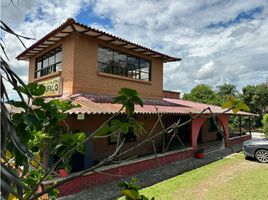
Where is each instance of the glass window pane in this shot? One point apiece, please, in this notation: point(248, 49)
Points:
point(120, 62)
point(115, 62)
point(39, 65)
point(144, 64)
point(144, 76)
point(37, 74)
point(51, 60)
point(105, 55)
point(132, 62)
point(58, 67)
point(105, 68)
point(45, 63)
point(58, 57)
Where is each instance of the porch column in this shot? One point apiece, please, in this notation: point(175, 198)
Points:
point(163, 136)
point(240, 125)
point(224, 122)
point(249, 125)
point(195, 128)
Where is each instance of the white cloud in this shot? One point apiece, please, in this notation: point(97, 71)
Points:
point(236, 53)
point(33, 19)
point(210, 55)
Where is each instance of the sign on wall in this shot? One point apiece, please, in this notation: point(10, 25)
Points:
point(53, 86)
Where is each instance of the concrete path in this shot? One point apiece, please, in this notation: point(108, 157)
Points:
point(257, 135)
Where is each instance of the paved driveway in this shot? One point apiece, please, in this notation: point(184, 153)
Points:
point(256, 135)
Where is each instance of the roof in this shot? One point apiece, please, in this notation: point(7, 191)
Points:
point(97, 104)
point(70, 25)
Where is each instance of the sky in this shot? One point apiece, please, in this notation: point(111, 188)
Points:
point(219, 41)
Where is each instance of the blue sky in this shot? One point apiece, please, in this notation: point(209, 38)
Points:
point(220, 41)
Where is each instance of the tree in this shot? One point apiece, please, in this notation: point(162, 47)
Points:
point(256, 96)
point(265, 124)
point(204, 94)
point(227, 89)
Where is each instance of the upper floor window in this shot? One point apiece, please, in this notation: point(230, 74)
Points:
point(48, 63)
point(115, 62)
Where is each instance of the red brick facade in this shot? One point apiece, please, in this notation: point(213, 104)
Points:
point(95, 178)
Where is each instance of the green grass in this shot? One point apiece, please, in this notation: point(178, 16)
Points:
point(251, 184)
point(246, 184)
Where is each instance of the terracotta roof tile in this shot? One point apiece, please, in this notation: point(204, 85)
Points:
point(97, 104)
point(83, 29)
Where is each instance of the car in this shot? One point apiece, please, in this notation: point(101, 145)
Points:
point(256, 149)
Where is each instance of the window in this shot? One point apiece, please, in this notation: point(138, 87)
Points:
point(48, 63)
point(115, 62)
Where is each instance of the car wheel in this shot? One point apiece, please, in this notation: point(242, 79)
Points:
point(261, 155)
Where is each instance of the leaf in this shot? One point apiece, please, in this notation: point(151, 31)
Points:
point(133, 194)
point(243, 106)
point(38, 101)
point(123, 184)
point(128, 92)
point(36, 89)
point(31, 120)
point(18, 104)
point(8, 127)
point(130, 109)
point(120, 99)
point(124, 126)
point(137, 100)
point(12, 197)
point(103, 130)
point(235, 110)
point(38, 158)
point(227, 104)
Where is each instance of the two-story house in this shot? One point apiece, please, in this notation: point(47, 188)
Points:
point(89, 67)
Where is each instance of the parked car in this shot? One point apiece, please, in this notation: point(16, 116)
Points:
point(257, 149)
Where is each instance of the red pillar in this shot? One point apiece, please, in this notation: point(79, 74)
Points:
point(224, 122)
point(196, 125)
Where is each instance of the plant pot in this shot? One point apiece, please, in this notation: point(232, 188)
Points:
point(44, 196)
point(199, 155)
point(63, 172)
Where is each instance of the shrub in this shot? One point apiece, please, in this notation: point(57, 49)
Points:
point(265, 124)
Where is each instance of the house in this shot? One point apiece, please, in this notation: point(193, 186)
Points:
point(89, 67)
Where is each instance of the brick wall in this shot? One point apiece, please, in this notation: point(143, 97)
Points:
point(239, 139)
point(67, 65)
point(102, 148)
point(95, 178)
point(88, 80)
point(171, 94)
point(79, 69)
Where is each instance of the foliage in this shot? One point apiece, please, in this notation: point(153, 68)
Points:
point(226, 90)
point(203, 94)
point(38, 125)
point(37, 128)
point(235, 104)
point(265, 124)
point(128, 98)
point(131, 190)
point(200, 150)
point(256, 96)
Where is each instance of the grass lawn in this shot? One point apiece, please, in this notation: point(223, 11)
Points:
point(230, 178)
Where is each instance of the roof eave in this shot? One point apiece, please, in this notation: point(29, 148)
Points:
point(72, 22)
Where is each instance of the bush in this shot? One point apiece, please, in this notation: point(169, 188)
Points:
point(265, 124)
